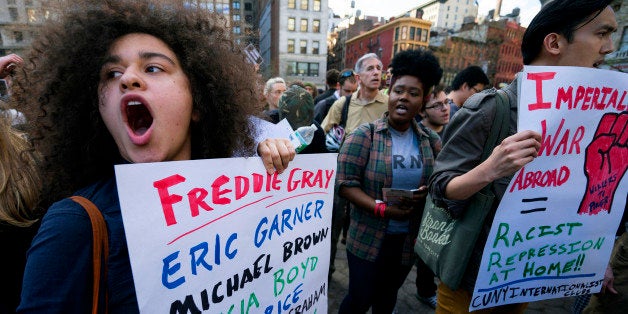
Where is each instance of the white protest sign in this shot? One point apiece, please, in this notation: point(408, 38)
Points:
point(554, 229)
point(223, 236)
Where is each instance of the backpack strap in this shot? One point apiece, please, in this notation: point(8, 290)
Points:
point(100, 250)
point(499, 130)
point(502, 121)
point(345, 111)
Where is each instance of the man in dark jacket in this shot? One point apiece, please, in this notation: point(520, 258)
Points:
point(331, 80)
point(563, 33)
point(348, 85)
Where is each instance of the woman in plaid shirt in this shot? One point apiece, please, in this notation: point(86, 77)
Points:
point(392, 152)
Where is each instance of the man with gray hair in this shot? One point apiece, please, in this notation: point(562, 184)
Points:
point(273, 90)
point(366, 104)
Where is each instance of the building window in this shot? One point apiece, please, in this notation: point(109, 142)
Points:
point(236, 17)
point(404, 33)
point(302, 68)
point(304, 25)
point(290, 45)
point(236, 5)
point(304, 4)
point(292, 4)
point(32, 15)
point(13, 14)
point(396, 33)
point(313, 71)
point(248, 6)
point(237, 30)
point(303, 47)
point(424, 35)
point(291, 24)
point(412, 30)
point(11, 2)
point(316, 47)
point(28, 2)
point(316, 26)
point(19, 37)
point(316, 5)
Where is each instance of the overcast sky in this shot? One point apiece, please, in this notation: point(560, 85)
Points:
point(388, 8)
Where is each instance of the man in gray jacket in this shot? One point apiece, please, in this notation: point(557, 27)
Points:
point(563, 33)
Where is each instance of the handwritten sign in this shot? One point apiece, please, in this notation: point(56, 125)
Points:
point(554, 229)
point(223, 236)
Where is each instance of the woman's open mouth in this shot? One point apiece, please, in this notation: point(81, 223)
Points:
point(401, 109)
point(137, 115)
point(139, 118)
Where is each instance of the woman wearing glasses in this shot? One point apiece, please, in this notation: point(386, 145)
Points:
point(391, 152)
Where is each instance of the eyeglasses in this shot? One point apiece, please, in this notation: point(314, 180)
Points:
point(347, 73)
point(437, 105)
point(476, 90)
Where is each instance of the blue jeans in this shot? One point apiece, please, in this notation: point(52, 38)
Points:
point(375, 284)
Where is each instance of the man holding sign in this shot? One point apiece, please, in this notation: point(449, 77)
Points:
point(564, 33)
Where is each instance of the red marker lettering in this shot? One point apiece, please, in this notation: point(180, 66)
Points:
point(216, 192)
point(539, 78)
point(196, 197)
point(168, 199)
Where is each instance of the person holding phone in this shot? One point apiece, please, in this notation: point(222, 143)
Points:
point(392, 152)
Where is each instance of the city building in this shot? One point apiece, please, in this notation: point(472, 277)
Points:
point(19, 21)
point(445, 14)
point(456, 52)
point(495, 46)
point(505, 38)
point(349, 27)
point(388, 39)
point(239, 16)
point(293, 39)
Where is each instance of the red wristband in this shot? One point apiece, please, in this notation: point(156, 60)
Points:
point(377, 209)
point(380, 207)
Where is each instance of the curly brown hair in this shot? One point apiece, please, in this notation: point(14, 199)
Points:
point(58, 86)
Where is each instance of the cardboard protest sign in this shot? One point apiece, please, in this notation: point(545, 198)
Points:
point(223, 236)
point(554, 229)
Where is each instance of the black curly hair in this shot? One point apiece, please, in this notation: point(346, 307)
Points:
point(418, 63)
point(58, 85)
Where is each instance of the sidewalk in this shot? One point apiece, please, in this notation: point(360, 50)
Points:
point(406, 300)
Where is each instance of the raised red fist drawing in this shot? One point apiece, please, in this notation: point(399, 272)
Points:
point(605, 163)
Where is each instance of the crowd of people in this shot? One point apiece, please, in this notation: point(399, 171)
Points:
point(135, 81)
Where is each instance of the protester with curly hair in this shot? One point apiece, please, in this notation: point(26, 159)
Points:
point(392, 152)
point(111, 82)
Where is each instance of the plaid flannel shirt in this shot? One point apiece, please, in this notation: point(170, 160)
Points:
point(370, 168)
